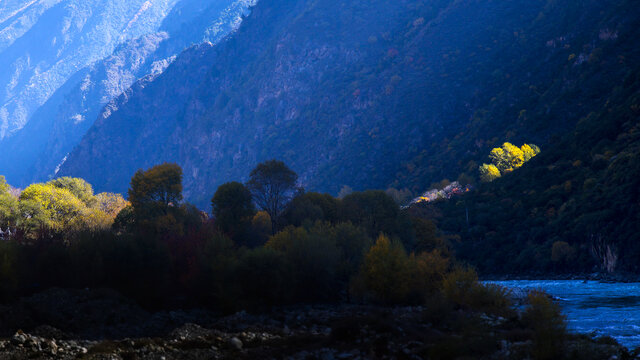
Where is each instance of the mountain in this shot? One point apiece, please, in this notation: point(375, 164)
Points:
point(43, 43)
point(366, 94)
point(91, 70)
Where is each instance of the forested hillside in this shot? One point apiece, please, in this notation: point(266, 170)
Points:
point(574, 208)
point(368, 95)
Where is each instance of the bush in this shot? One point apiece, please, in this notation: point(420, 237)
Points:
point(219, 262)
point(313, 258)
point(461, 286)
point(9, 275)
point(385, 273)
point(428, 271)
point(263, 275)
point(548, 324)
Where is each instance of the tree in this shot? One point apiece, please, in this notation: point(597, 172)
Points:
point(272, 185)
point(529, 151)
point(373, 210)
point(489, 172)
point(62, 207)
point(385, 273)
point(233, 208)
point(8, 210)
point(4, 187)
point(153, 192)
point(33, 219)
point(507, 158)
point(548, 324)
point(310, 207)
point(77, 186)
point(110, 203)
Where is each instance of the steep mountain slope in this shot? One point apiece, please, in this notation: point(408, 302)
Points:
point(43, 43)
point(366, 94)
point(36, 151)
point(575, 208)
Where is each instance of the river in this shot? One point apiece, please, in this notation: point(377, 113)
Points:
point(593, 307)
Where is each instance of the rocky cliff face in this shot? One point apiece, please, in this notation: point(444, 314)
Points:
point(95, 73)
point(361, 94)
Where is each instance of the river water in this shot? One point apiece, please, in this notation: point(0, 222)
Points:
point(594, 308)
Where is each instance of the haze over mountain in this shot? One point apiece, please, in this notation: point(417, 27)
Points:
point(94, 51)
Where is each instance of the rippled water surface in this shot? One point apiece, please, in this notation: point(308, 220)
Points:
point(594, 307)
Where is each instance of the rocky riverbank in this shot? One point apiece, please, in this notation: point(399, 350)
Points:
point(70, 324)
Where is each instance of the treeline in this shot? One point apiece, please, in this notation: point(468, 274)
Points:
point(268, 243)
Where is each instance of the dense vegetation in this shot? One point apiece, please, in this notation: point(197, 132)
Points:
point(299, 247)
point(315, 248)
point(572, 209)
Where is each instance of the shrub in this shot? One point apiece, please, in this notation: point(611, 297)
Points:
point(313, 258)
point(385, 273)
point(428, 271)
point(548, 324)
point(263, 275)
point(461, 286)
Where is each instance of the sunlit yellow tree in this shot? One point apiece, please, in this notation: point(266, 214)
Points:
point(507, 158)
point(59, 204)
point(529, 150)
point(489, 172)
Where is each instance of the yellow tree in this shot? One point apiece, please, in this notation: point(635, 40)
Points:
point(489, 172)
point(385, 272)
point(60, 205)
point(529, 151)
point(507, 157)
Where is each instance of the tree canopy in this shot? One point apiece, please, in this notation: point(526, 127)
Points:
point(272, 185)
point(233, 208)
point(153, 191)
point(506, 159)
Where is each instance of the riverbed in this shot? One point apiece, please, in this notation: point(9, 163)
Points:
point(593, 307)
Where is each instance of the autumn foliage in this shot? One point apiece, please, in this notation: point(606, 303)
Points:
point(506, 159)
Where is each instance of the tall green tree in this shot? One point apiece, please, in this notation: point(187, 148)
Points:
point(374, 211)
point(272, 185)
point(153, 192)
point(233, 209)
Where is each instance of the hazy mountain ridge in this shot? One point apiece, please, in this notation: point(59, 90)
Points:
point(36, 151)
point(51, 40)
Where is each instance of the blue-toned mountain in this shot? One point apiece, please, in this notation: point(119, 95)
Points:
point(64, 61)
point(366, 94)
